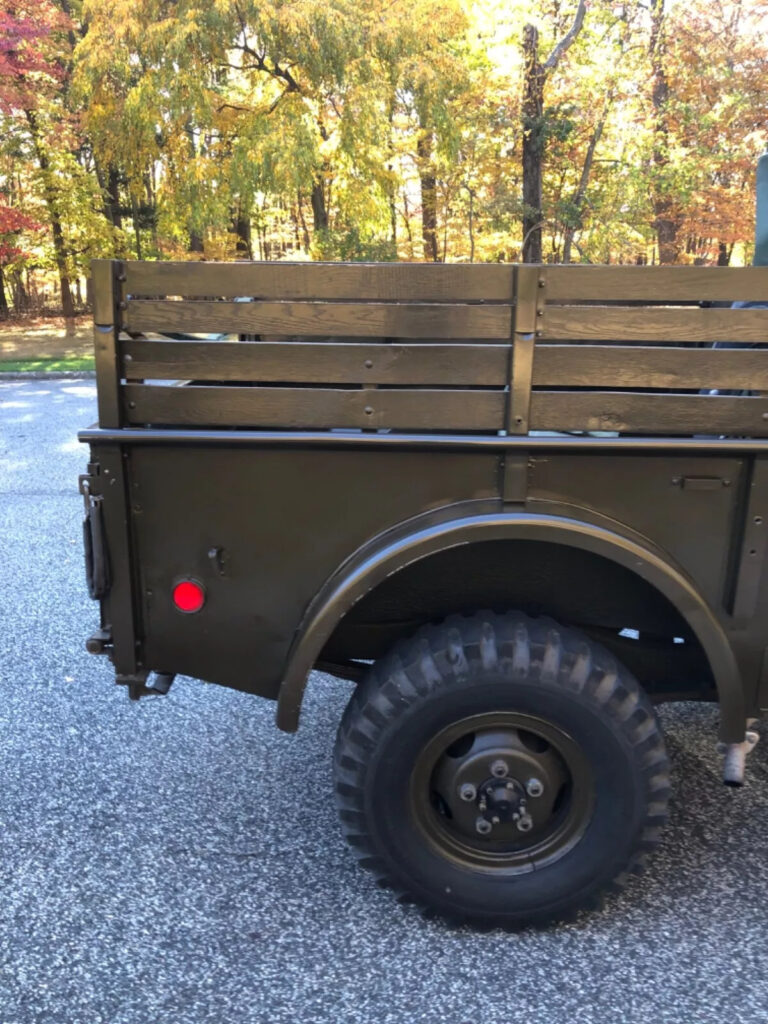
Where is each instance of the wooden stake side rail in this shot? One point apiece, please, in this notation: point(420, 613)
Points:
point(471, 364)
point(422, 282)
point(361, 282)
point(652, 324)
point(676, 369)
point(442, 348)
point(315, 408)
point(358, 319)
point(424, 410)
point(626, 412)
point(577, 283)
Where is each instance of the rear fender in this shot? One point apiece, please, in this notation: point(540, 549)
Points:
point(459, 525)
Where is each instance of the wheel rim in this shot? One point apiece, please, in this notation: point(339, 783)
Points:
point(502, 791)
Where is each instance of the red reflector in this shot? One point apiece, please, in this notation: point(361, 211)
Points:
point(188, 596)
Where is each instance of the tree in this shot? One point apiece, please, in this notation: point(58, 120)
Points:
point(12, 223)
point(34, 34)
point(372, 129)
point(535, 126)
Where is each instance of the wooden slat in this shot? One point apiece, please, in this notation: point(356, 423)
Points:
point(649, 414)
point(364, 319)
point(314, 408)
point(619, 323)
point(317, 362)
point(604, 366)
point(657, 284)
point(106, 330)
point(375, 281)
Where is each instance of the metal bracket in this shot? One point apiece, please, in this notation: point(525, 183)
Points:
point(735, 756)
point(514, 479)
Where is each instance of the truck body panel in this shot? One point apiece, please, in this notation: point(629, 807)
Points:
point(379, 401)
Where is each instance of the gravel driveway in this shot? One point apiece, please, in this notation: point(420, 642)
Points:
point(180, 861)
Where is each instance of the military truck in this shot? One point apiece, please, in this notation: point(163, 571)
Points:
point(517, 506)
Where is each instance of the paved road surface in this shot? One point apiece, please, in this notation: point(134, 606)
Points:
point(179, 861)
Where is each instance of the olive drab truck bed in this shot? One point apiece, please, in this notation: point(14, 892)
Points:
point(551, 424)
point(543, 483)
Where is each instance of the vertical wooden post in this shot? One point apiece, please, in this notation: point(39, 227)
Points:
point(108, 285)
point(529, 308)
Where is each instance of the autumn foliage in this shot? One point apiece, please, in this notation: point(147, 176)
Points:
point(562, 130)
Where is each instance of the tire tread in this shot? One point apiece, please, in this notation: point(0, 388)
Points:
point(442, 656)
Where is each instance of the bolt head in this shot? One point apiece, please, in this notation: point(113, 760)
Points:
point(525, 824)
point(534, 787)
point(467, 792)
point(483, 826)
point(499, 769)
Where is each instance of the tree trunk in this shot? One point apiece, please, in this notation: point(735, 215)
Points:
point(21, 300)
point(407, 222)
point(110, 191)
point(428, 196)
point(195, 234)
point(241, 225)
point(51, 200)
point(136, 226)
point(665, 223)
point(113, 197)
point(151, 210)
point(296, 226)
point(533, 145)
point(534, 79)
point(319, 210)
point(3, 300)
point(581, 191)
point(724, 252)
point(471, 192)
point(304, 229)
point(391, 181)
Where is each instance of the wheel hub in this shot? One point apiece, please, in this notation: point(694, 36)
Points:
point(498, 789)
point(501, 800)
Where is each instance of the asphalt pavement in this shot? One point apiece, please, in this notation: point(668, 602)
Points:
point(179, 861)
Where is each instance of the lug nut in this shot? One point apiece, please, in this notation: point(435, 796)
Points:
point(534, 787)
point(499, 769)
point(483, 826)
point(467, 792)
point(525, 824)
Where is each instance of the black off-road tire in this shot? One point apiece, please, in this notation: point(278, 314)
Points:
point(470, 669)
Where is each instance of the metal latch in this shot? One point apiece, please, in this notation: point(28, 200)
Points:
point(94, 539)
point(701, 483)
point(99, 642)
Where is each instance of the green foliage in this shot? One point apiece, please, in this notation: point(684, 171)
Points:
point(350, 245)
point(318, 128)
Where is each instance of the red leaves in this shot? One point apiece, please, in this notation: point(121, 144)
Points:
point(27, 51)
point(12, 221)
